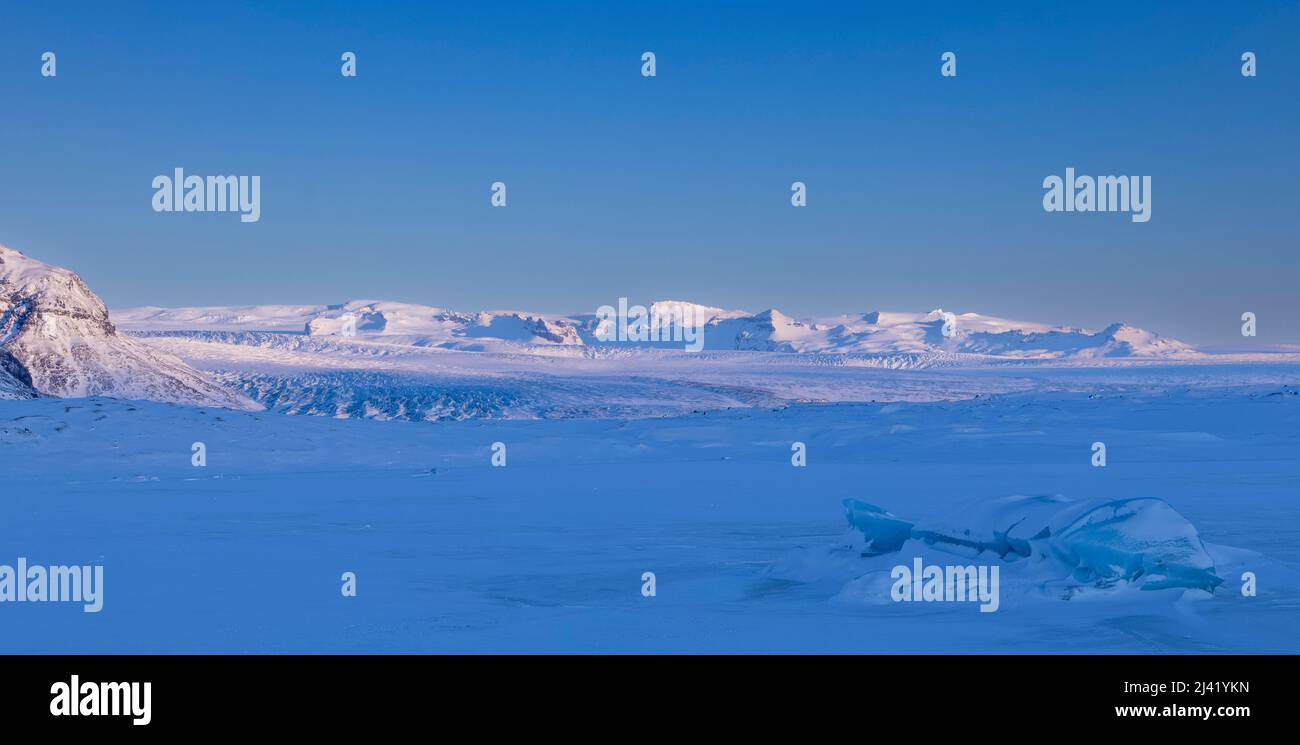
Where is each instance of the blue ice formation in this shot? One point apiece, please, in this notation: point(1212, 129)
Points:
point(1141, 541)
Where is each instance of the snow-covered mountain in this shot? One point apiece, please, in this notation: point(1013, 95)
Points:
point(381, 359)
point(386, 360)
point(56, 339)
point(876, 333)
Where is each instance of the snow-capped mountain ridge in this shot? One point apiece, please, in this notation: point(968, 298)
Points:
point(875, 332)
point(383, 359)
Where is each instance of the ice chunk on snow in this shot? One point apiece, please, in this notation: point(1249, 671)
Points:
point(1143, 540)
point(883, 532)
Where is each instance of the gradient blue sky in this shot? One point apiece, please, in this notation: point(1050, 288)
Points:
point(923, 191)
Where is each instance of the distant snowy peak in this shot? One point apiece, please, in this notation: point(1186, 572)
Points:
point(692, 312)
point(56, 339)
point(1142, 343)
point(875, 333)
point(233, 318)
point(768, 331)
point(429, 326)
point(883, 333)
point(1116, 340)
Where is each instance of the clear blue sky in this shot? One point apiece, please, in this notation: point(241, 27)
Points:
point(923, 191)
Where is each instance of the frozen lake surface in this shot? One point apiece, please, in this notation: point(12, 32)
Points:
point(546, 554)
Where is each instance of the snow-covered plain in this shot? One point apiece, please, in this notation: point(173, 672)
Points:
point(547, 553)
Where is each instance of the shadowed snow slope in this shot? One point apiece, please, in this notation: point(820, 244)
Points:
point(56, 339)
point(14, 381)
